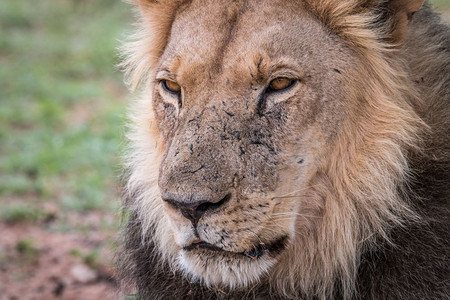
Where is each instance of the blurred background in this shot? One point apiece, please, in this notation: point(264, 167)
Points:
point(62, 108)
point(62, 124)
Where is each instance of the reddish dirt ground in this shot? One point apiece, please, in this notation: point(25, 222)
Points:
point(37, 263)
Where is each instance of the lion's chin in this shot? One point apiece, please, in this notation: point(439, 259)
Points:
point(216, 267)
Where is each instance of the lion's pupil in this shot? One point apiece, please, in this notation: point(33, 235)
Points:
point(280, 83)
point(172, 86)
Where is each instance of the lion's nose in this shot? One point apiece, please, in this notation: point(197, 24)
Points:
point(194, 211)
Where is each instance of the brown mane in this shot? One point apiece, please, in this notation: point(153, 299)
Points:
point(385, 184)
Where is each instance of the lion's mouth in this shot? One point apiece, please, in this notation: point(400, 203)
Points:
point(256, 252)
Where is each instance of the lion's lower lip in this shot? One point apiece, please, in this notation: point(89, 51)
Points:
point(256, 252)
point(202, 245)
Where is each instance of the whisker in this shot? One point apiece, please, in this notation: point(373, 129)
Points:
point(289, 195)
point(294, 214)
point(286, 197)
point(257, 236)
point(295, 231)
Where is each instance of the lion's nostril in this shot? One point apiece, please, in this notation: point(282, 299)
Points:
point(202, 208)
point(194, 211)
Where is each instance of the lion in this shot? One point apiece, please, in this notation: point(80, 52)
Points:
point(287, 150)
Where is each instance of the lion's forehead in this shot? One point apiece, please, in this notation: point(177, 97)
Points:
point(208, 44)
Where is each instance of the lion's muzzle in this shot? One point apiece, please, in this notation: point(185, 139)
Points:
point(193, 210)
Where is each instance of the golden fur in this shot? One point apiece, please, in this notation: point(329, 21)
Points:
point(355, 189)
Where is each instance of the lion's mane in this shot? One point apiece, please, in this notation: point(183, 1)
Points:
point(383, 192)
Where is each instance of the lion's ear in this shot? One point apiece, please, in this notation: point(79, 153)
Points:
point(395, 16)
point(141, 55)
point(158, 16)
point(358, 20)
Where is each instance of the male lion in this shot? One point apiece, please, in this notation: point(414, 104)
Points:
point(288, 149)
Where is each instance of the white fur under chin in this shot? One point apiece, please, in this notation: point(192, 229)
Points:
point(224, 271)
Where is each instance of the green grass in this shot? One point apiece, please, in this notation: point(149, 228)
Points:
point(61, 102)
point(90, 258)
point(441, 3)
point(19, 213)
point(443, 7)
point(27, 251)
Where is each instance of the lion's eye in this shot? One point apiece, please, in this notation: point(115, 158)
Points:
point(171, 86)
point(280, 83)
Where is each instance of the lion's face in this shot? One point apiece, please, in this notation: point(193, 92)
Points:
point(248, 106)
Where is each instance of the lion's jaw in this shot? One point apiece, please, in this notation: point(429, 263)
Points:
point(226, 248)
point(219, 141)
point(237, 243)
